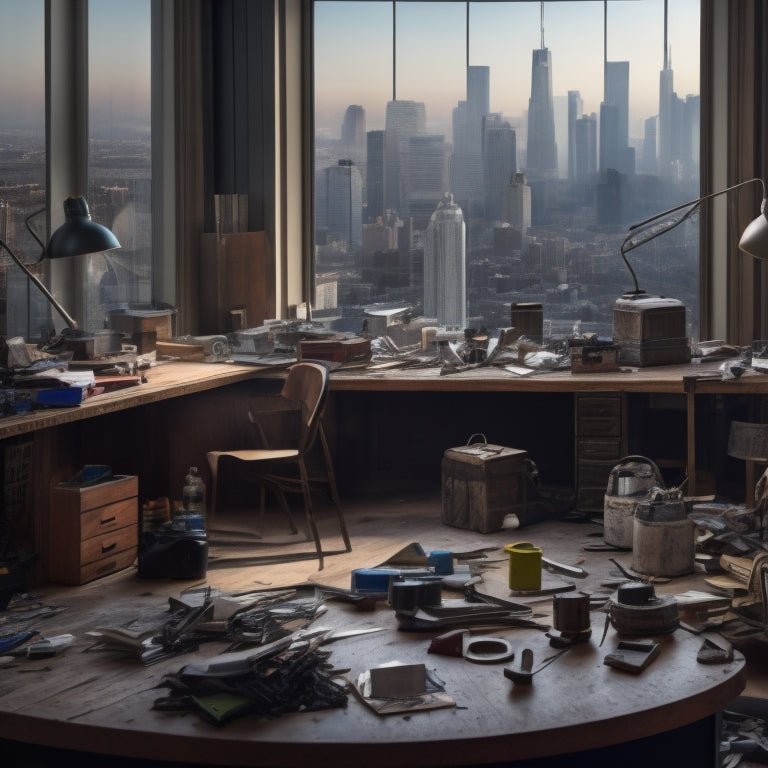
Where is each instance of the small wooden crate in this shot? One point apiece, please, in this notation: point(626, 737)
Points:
point(482, 484)
point(650, 330)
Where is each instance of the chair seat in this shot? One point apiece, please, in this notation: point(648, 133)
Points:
point(255, 454)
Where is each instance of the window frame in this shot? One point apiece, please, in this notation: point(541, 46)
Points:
point(730, 288)
point(66, 99)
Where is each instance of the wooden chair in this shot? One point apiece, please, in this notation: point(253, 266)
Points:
point(287, 427)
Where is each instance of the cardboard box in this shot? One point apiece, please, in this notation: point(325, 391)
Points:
point(482, 484)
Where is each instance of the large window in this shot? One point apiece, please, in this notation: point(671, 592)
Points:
point(119, 154)
point(22, 162)
point(115, 177)
point(469, 156)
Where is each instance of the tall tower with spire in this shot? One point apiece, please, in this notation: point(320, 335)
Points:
point(542, 147)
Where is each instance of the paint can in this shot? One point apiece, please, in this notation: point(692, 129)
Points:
point(664, 538)
point(524, 566)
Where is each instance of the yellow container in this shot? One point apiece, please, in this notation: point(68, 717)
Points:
point(524, 566)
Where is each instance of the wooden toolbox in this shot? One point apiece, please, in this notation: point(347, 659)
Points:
point(356, 350)
point(650, 330)
point(94, 529)
point(482, 484)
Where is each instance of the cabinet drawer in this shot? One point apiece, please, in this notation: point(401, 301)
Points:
point(595, 474)
point(599, 448)
point(598, 415)
point(107, 544)
point(105, 566)
point(95, 522)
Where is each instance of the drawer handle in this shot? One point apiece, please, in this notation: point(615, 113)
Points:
point(107, 567)
point(108, 520)
point(104, 549)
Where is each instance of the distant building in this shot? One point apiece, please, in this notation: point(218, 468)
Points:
point(375, 176)
point(516, 205)
point(404, 119)
point(339, 192)
point(585, 148)
point(575, 109)
point(445, 273)
point(542, 147)
point(499, 162)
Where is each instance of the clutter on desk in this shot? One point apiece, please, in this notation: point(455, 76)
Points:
point(396, 687)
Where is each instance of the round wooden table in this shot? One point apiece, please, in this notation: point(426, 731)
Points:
point(102, 703)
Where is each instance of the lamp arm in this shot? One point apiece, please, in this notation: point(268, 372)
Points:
point(36, 280)
point(700, 200)
point(34, 234)
point(692, 205)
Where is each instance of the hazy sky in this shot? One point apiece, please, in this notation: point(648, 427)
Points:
point(119, 62)
point(353, 54)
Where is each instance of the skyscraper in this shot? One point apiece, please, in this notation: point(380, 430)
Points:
point(650, 139)
point(575, 109)
point(614, 120)
point(542, 147)
point(517, 203)
point(445, 272)
point(467, 160)
point(342, 191)
point(353, 128)
point(374, 175)
point(423, 178)
point(499, 162)
point(585, 148)
point(403, 120)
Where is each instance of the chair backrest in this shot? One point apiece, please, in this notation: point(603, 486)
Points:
point(307, 383)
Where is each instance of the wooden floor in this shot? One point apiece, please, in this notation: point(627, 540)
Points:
point(378, 528)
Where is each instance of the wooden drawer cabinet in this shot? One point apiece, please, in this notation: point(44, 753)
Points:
point(94, 529)
point(601, 442)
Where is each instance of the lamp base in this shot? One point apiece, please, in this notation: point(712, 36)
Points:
point(650, 330)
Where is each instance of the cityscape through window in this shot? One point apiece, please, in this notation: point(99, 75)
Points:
point(119, 160)
point(471, 156)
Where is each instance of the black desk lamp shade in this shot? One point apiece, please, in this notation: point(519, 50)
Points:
point(77, 236)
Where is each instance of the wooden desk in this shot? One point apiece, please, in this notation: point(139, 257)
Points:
point(101, 703)
point(685, 380)
point(158, 429)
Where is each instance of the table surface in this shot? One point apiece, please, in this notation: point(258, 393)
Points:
point(175, 379)
point(104, 701)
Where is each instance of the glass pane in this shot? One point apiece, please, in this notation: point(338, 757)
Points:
point(22, 165)
point(119, 160)
point(548, 128)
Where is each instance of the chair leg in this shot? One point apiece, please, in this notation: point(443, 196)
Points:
point(213, 463)
point(332, 485)
point(309, 511)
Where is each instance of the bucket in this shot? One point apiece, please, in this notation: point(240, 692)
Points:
point(524, 566)
point(629, 483)
point(664, 537)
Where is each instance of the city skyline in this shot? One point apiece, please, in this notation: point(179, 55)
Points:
point(501, 37)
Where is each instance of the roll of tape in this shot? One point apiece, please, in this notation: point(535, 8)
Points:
point(484, 649)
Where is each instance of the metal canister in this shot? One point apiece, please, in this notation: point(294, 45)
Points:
point(664, 537)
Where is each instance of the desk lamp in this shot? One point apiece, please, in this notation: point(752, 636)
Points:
point(754, 239)
point(651, 330)
point(77, 236)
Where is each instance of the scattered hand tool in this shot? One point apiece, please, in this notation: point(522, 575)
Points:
point(524, 675)
point(568, 570)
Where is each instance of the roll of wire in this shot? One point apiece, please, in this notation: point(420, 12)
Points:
point(639, 612)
